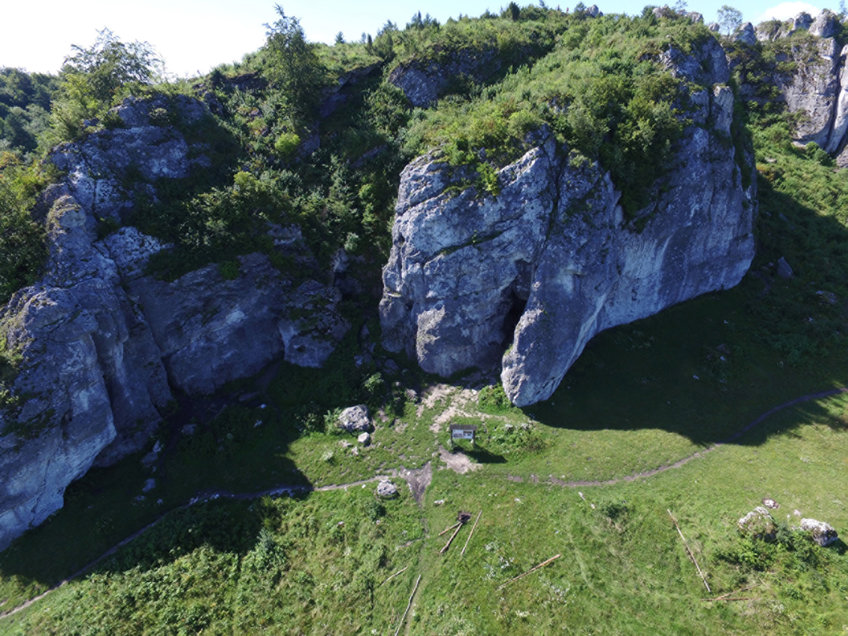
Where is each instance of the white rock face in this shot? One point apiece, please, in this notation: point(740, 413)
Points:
point(527, 278)
point(816, 87)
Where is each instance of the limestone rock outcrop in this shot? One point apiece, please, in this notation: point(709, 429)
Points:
point(104, 347)
point(526, 278)
point(423, 82)
point(811, 77)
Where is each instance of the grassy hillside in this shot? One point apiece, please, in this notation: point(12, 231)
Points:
point(652, 417)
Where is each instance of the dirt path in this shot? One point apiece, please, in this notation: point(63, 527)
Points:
point(418, 481)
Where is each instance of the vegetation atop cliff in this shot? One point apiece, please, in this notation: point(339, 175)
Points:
point(317, 134)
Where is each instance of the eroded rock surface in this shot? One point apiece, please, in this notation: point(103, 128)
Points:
point(810, 74)
point(529, 276)
point(103, 346)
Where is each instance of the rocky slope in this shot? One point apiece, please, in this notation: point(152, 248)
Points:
point(104, 348)
point(526, 278)
point(808, 72)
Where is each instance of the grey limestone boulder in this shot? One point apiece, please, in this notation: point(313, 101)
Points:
point(816, 86)
point(746, 34)
point(423, 82)
point(355, 419)
point(387, 490)
point(758, 524)
point(821, 532)
point(99, 167)
point(103, 346)
point(825, 24)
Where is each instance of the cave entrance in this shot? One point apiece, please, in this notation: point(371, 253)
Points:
point(515, 305)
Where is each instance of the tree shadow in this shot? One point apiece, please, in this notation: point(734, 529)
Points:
point(206, 488)
point(480, 454)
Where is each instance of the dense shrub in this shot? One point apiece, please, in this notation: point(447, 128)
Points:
point(600, 90)
point(22, 246)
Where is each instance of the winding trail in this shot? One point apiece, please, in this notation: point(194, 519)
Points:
point(809, 397)
point(414, 476)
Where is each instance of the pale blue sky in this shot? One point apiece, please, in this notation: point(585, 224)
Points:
point(195, 35)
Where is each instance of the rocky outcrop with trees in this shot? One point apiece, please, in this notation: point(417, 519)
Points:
point(525, 278)
point(104, 348)
point(546, 175)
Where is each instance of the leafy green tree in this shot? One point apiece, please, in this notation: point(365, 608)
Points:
point(384, 43)
point(514, 11)
point(92, 78)
point(294, 66)
point(22, 248)
point(729, 19)
point(110, 64)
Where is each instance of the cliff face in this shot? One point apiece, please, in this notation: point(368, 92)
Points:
point(528, 277)
point(103, 347)
point(809, 73)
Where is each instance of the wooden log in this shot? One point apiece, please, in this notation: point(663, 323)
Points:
point(455, 532)
point(724, 597)
point(408, 605)
point(689, 552)
point(533, 569)
point(394, 575)
point(461, 554)
point(449, 528)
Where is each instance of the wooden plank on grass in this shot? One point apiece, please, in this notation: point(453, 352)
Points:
point(470, 533)
point(408, 605)
point(394, 575)
point(455, 532)
point(449, 528)
point(689, 552)
point(533, 569)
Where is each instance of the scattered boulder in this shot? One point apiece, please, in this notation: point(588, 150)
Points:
point(758, 524)
point(364, 439)
point(821, 532)
point(356, 419)
point(784, 270)
point(387, 490)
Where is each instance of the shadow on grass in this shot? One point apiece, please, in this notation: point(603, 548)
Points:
point(230, 449)
point(481, 455)
point(202, 493)
point(710, 368)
